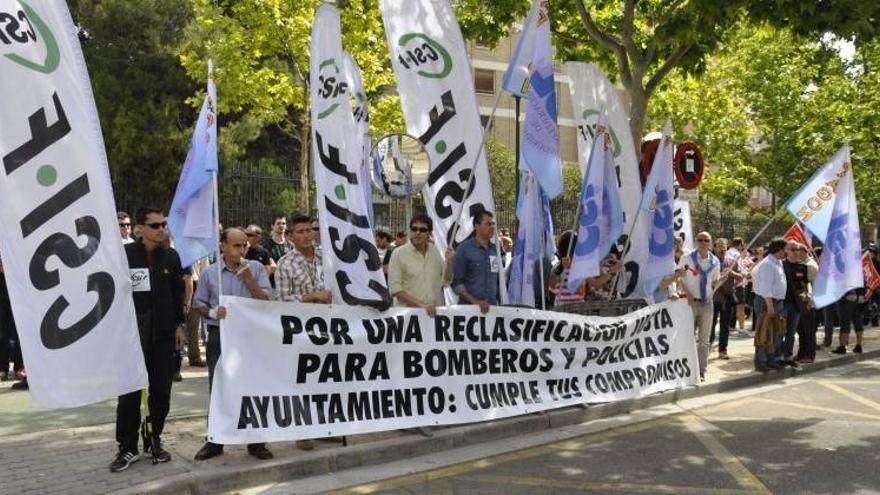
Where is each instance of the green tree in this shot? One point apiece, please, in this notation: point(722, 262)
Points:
point(261, 51)
point(140, 90)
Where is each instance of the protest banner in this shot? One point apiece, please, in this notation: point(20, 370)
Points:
point(293, 371)
point(683, 223)
point(64, 263)
point(872, 278)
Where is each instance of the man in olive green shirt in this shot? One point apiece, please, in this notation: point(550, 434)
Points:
point(417, 273)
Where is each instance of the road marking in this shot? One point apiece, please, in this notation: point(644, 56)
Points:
point(458, 469)
point(851, 395)
point(817, 408)
point(701, 429)
point(600, 486)
point(853, 382)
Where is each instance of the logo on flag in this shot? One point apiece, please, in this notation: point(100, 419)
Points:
point(797, 234)
point(813, 203)
point(872, 278)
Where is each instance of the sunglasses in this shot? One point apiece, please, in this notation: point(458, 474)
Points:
point(702, 240)
point(252, 234)
point(157, 225)
point(315, 229)
point(419, 229)
point(125, 225)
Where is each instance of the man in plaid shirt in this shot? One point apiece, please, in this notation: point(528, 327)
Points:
point(299, 276)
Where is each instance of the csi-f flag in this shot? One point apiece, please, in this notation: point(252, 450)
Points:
point(601, 216)
point(516, 78)
point(64, 264)
point(352, 268)
point(362, 127)
point(530, 248)
point(840, 269)
point(436, 88)
point(657, 202)
point(193, 218)
point(813, 203)
point(539, 153)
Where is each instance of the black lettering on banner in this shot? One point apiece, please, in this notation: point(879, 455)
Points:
point(438, 120)
point(352, 247)
point(332, 162)
point(444, 166)
point(345, 215)
point(247, 416)
point(42, 136)
point(54, 205)
point(55, 337)
point(383, 303)
point(392, 330)
point(12, 26)
point(65, 248)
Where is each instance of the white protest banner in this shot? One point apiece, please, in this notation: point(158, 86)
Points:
point(683, 224)
point(290, 371)
point(436, 90)
point(64, 264)
point(591, 92)
point(352, 267)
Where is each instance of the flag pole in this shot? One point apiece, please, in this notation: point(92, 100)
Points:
point(473, 168)
point(771, 220)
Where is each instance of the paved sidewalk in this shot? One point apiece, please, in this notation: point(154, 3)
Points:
point(68, 451)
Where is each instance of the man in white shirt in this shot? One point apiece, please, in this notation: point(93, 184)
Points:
point(417, 273)
point(769, 285)
point(702, 273)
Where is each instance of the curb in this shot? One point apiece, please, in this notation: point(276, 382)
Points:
point(229, 478)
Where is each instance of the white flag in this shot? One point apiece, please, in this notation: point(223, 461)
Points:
point(352, 267)
point(683, 224)
point(840, 269)
point(591, 92)
point(65, 266)
point(436, 90)
point(362, 125)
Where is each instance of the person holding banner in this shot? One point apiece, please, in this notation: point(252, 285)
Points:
point(157, 285)
point(240, 277)
point(770, 286)
point(417, 273)
point(299, 276)
point(702, 274)
point(476, 265)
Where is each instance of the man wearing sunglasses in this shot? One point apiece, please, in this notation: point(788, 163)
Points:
point(417, 272)
point(157, 290)
point(124, 222)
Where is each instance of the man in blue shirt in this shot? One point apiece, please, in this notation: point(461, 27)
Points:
point(242, 278)
point(476, 265)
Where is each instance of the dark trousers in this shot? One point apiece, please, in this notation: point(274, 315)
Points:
point(212, 349)
point(193, 322)
point(159, 358)
point(850, 313)
point(807, 329)
point(722, 314)
point(9, 345)
point(828, 315)
point(792, 312)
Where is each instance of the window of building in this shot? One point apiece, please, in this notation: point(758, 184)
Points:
point(484, 81)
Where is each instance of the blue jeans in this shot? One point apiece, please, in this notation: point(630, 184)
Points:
point(792, 315)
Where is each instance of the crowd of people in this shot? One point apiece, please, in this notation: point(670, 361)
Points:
point(724, 283)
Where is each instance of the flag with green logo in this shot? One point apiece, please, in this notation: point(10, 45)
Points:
point(64, 264)
point(352, 267)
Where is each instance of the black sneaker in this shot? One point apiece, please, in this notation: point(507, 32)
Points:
point(124, 459)
point(839, 350)
point(159, 453)
point(260, 451)
point(857, 349)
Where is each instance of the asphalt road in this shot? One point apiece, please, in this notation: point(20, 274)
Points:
point(816, 434)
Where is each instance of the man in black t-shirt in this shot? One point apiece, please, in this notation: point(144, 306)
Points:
point(795, 293)
point(255, 249)
point(277, 244)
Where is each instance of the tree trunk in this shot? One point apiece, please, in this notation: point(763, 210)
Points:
point(304, 166)
point(638, 113)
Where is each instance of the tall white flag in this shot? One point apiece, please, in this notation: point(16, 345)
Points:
point(352, 267)
point(840, 269)
point(65, 267)
point(436, 89)
point(591, 92)
point(362, 125)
